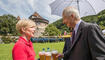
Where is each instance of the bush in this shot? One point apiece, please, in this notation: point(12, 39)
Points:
point(6, 39)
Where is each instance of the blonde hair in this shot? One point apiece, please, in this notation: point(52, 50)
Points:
point(24, 23)
point(68, 11)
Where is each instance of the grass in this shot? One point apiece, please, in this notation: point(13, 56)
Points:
point(6, 49)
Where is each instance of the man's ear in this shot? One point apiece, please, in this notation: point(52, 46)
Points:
point(72, 15)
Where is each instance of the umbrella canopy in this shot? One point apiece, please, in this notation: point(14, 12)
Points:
point(85, 7)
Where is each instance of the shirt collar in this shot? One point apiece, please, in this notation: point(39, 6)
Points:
point(76, 26)
point(25, 41)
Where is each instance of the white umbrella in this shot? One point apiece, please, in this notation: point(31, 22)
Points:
point(85, 7)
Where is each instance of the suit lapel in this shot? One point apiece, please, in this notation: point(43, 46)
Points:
point(78, 34)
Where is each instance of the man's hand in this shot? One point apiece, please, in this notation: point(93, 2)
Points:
point(60, 56)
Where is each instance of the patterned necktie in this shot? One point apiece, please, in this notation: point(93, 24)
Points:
point(73, 36)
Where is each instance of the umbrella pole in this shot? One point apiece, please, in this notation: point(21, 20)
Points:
point(78, 5)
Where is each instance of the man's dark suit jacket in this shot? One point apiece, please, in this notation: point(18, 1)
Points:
point(89, 44)
point(67, 44)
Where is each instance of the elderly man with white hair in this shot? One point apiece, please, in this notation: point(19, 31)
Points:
point(87, 41)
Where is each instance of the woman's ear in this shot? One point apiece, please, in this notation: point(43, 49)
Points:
point(23, 29)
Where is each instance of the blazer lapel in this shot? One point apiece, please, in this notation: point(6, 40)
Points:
point(78, 34)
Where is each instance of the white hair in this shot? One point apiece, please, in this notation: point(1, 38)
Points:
point(68, 11)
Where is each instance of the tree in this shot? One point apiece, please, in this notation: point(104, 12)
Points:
point(62, 27)
point(91, 19)
point(101, 21)
point(7, 25)
point(51, 30)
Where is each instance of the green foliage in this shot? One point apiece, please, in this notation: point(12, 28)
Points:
point(7, 25)
point(51, 30)
point(102, 27)
point(62, 27)
point(101, 13)
point(6, 39)
point(101, 21)
point(58, 23)
point(91, 18)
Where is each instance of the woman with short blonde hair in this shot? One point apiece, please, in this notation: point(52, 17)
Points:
point(23, 48)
